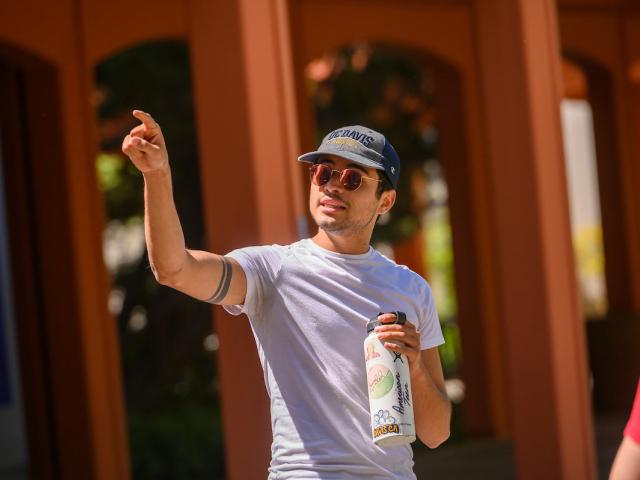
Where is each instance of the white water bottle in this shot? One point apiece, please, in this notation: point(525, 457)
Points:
point(389, 385)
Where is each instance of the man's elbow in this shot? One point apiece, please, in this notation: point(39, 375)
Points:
point(436, 440)
point(435, 434)
point(166, 277)
point(169, 271)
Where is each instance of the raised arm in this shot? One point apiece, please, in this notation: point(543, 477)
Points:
point(202, 275)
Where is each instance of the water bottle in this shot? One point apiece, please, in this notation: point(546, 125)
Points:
point(389, 385)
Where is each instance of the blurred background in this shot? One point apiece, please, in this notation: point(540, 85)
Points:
point(517, 126)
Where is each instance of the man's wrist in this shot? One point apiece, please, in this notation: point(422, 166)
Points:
point(161, 172)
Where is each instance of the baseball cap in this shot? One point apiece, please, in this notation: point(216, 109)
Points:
point(361, 145)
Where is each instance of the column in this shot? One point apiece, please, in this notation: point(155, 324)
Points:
point(546, 367)
point(245, 105)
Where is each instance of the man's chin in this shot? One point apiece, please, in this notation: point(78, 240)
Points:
point(328, 225)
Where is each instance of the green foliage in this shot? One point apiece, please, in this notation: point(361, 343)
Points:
point(168, 449)
point(121, 184)
point(439, 260)
point(450, 351)
point(109, 171)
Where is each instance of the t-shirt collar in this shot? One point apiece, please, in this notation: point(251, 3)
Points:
point(347, 256)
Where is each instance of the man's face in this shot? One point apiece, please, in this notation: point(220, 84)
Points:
point(340, 211)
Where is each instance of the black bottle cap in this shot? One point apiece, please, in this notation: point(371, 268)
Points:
point(401, 318)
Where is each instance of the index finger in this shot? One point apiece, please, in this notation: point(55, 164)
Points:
point(387, 317)
point(408, 326)
point(146, 119)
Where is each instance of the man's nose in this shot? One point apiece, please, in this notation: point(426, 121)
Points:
point(334, 182)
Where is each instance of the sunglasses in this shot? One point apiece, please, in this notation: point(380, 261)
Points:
point(349, 178)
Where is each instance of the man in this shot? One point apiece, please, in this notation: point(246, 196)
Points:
point(308, 304)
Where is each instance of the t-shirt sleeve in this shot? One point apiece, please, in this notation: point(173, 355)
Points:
point(430, 331)
point(632, 430)
point(261, 266)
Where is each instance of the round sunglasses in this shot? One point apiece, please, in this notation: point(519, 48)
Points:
point(349, 178)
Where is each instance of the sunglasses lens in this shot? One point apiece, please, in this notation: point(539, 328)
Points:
point(350, 179)
point(321, 174)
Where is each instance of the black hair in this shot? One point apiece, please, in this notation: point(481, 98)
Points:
point(384, 185)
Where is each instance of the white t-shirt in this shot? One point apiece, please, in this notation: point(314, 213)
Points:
point(308, 309)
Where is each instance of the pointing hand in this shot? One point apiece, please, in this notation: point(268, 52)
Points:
point(145, 144)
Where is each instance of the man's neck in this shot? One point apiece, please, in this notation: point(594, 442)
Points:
point(349, 244)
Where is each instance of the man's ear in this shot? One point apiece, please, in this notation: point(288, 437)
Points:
point(387, 201)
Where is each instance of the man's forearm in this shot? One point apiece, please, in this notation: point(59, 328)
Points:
point(163, 233)
point(431, 407)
